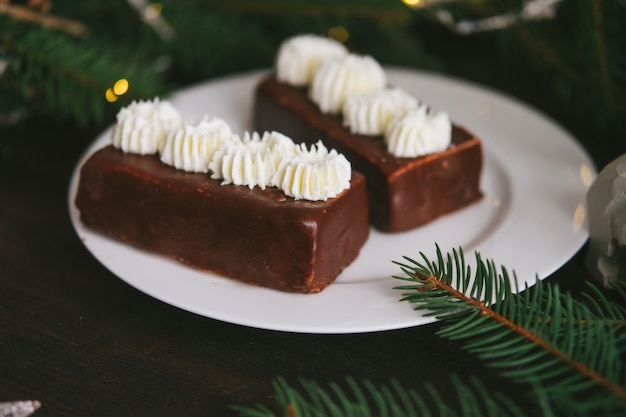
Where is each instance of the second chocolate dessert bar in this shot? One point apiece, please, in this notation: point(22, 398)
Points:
point(403, 193)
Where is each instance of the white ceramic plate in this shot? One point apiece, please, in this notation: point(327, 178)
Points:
point(531, 220)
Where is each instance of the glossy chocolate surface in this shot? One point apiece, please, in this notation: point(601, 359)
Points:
point(260, 237)
point(404, 193)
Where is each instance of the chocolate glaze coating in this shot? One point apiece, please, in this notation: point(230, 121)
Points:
point(404, 193)
point(260, 237)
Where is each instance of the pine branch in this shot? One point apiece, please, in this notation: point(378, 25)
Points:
point(43, 19)
point(365, 399)
point(515, 332)
point(484, 313)
point(66, 77)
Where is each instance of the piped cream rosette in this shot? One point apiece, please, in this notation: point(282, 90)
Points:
point(143, 125)
point(355, 86)
point(268, 160)
point(299, 57)
point(420, 132)
point(313, 174)
point(251, 161)
point(369, 114)
point(274, 160)
point(192, 146)
point(338, 78)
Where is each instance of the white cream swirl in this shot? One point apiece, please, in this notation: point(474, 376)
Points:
point(191, 147)
point(369, 114)
point(270, 160)
point(420, 132)
point(251, 161)
point(143, 125)
point(315, 174)
point(299, 57)
point(338, 78)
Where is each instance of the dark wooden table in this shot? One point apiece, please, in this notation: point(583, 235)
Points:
point(84, 343)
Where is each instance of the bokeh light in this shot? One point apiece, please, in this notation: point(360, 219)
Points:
point(110, 95)
point(153, 10)
point(120, 87)
point(411, 3)
point(338, 33)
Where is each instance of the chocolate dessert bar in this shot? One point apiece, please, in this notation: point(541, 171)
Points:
point(403, 193)
point(257, 236)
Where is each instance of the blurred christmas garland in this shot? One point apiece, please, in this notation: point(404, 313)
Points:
point(61, 59)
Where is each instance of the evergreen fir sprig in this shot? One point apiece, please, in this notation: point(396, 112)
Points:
point(66, 76)
point(365, 399)
point(49, 71)
point(45, 20)
point(539, 336)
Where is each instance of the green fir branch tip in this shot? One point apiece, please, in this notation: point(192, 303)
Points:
point(539, 336)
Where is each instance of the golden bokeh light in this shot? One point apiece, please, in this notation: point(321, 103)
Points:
point(412, 3)
point(338, 33)
point(120, 87)
point(153, 10)
point(110, 95)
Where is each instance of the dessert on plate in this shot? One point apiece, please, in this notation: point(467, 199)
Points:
point(418, 165)
point(258, 208)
